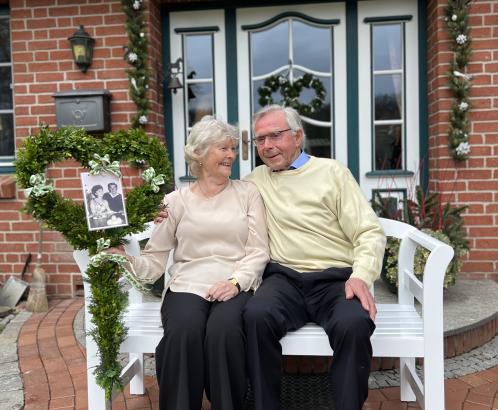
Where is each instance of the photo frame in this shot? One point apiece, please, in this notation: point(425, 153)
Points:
point(104, 201)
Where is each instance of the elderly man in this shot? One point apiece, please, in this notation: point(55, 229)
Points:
point(326, 248)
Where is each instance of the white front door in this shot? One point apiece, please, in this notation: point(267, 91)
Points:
point(287, 42)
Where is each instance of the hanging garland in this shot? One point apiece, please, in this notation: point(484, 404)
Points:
point(137, 57)
point(456, 23)
point(291, 91)
point(68, 217)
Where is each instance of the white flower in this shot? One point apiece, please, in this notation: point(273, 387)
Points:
point(463, 106)
point(136, 4)
point(462, 75)
point(134, 83)
point(142, 119)
point(132, 57)
point(454, 17)
point(463, 148)
point(142, 35)
point(461, 39)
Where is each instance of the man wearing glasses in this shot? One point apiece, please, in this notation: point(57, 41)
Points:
point(326, 248)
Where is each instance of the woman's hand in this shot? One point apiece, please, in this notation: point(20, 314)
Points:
point(222, 291)
point(118, 250)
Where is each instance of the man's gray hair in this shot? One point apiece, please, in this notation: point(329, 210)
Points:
point(203, 135)
point(291, 115)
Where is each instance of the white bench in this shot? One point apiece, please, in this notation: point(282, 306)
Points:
point(401, 331)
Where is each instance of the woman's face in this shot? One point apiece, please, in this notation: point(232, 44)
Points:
point(99, 193)
point(218, 160)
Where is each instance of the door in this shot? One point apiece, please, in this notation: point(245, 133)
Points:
point(282, 45)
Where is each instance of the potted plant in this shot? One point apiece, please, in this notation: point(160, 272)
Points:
point(427, 213)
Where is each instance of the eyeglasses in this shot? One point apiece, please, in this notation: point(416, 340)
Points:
point(274, 136)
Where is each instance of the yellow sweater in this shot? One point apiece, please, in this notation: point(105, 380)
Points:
point(318, 218)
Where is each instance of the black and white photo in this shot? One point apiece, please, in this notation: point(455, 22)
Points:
point(104, 201)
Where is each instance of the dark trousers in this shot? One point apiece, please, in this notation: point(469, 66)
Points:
point(287, 300)
point(203, 347)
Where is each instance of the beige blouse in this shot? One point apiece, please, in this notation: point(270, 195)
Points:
point(213, 239)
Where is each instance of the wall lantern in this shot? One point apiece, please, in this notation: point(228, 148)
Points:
point(82, 47)
point(174, 70)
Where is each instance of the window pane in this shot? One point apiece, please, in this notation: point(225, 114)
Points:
point(5, 91)
point(312, 46)
point(317, 141)
point(388, 147)
point(4, 40)
point(386, 43)
point(200, 102)
point(308, 94)
point(6, 135)
point(199, 56)
point(388, 102)
point(270, 49)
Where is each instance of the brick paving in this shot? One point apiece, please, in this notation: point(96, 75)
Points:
point(53, 371)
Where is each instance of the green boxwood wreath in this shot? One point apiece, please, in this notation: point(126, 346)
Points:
point(291, 92)
point(68, 217)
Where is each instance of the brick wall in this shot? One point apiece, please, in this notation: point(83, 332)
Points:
point(42, 65)
point(474, 182)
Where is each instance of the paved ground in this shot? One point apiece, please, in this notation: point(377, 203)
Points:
point(51, 364)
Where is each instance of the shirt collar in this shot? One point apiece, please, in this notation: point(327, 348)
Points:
point(302, 159)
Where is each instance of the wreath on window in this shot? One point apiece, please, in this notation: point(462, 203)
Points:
point(291, 91)
point(68, 217)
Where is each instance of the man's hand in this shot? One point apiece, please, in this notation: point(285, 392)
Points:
point(356, 287)
point(161, 216)
point(222, 291)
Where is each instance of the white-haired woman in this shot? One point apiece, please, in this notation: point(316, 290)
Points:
point(217, 229)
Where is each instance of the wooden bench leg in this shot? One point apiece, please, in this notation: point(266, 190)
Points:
point(407, 393)
point(96, 395)
point(137, 382)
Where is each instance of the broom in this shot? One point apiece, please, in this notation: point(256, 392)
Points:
point(37, 297)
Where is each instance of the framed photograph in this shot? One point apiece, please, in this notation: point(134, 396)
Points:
point(104, 201)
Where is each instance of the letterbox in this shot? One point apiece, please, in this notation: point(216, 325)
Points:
point(88, 109)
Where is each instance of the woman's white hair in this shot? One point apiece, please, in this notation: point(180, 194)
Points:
point(203, 135)
point(291, 115)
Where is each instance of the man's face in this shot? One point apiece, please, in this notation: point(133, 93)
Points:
point(279, 154)
point(113, 189)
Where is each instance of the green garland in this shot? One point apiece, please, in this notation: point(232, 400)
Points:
point(137, 56)
point(291, 91)
point(68, 217)
point(456, 23)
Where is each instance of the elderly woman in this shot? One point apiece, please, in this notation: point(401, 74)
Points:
point(217, 229)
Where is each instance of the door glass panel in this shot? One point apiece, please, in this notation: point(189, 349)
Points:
point(312, 46)
point(290, 43)
point(6, 135)
point(4, 40)
point(270, 48)
point(388, 96)
point(5, 91)
point(388, 147)
point(198, 51)
point(200, 102)
point(386, 44)
point(317, 140)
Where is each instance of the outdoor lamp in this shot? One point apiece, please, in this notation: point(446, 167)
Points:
point(82, 47)
point(174, 69)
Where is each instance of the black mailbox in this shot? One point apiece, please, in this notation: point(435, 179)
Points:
point(88, 109)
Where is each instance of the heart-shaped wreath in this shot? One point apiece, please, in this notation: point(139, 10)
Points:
point(291, 91)
point(68, 217)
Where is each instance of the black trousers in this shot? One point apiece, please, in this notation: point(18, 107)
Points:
point(203, 347)
point(287, 300)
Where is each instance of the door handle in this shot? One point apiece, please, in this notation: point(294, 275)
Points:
point(245, 145)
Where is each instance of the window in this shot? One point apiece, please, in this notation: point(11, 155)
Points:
point(7, 146)
point(388, 81)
